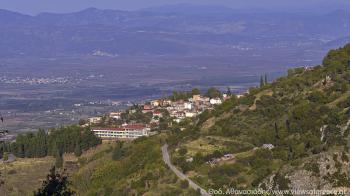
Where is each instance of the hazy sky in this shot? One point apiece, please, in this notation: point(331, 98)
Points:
point(37, 6)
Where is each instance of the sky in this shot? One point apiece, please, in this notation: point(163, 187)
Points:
point(63, 6)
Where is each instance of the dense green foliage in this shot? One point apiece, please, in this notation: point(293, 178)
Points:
point(135, 114)
point(178, 95)
point(338, 58)
point(56, 184)
point(213, 93)
point(55, 143)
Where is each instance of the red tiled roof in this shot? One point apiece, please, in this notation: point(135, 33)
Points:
point(122, 128)
point(109, 129)
point(135, 126)
point(147, 107)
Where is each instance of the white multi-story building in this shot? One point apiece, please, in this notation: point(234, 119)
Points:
point(126, 132)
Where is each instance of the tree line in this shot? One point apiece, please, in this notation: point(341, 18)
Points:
point(71, 139)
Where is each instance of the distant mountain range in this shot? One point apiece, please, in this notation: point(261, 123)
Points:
point(168, 30)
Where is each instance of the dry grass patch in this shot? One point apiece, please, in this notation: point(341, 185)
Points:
point(267, 92)
point(201, 145)
point(208, 124)
point(24, 176)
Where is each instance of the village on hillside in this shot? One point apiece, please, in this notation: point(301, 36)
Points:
point(153, 116)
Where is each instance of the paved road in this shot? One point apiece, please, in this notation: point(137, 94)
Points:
point(182, 176)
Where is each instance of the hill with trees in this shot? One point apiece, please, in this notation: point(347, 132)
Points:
point(128, 168)
point(292, 133)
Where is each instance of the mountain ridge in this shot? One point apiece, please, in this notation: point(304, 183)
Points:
point(160, 32)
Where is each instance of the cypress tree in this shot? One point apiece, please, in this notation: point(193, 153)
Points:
point(288, 125)
point(77, 150)
point(59, 160)
point(21, 151)
point(41, 144)
point(229, 91)
point(276, 131)
point(1, 152)
point(265, 82)
point(261, 81)
point(5, 156)
point(55, 184)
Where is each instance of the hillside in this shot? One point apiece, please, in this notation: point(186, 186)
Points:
point(289, 134)
point(128, 169)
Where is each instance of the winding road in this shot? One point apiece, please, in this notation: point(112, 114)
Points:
point(182, 176)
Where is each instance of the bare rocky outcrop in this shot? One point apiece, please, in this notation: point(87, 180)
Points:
point(325, 171)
